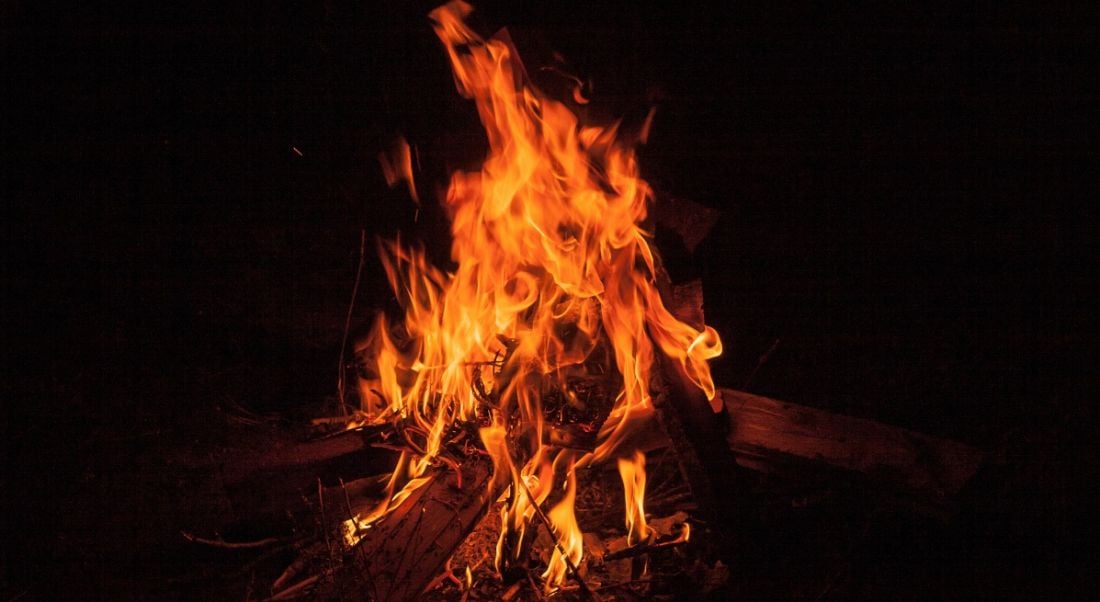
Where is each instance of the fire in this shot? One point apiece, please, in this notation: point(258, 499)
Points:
point(397, 166)
point(554, 268)
point(632, 471)
point(569, 550)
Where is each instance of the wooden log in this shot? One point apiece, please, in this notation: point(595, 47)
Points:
point(769, 435)
point(402, 553)
point(289, 455)
point(766, 434)
point(273, 480)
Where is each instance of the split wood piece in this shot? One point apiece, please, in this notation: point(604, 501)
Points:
point(770, 435)
point(401, 554)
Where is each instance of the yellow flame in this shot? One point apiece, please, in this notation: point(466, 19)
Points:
point(406, 478)
point(552, 261)
point(568, 534)
point(632, 471)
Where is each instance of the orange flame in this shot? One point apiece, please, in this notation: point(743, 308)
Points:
point(632, 471)
point(569, 549)
point(397, 166)
point(552, 262)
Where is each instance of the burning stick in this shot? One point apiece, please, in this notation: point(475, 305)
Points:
point(659, 544)
point(574, 572)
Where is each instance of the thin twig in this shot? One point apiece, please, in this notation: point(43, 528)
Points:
point(299, 588)
point(341, 383)
point(232, 545)
point(396, 448)
point(251, 586)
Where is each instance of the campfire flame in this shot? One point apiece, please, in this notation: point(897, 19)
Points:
point(632, 471)
point(554, 267)
point(569, 550)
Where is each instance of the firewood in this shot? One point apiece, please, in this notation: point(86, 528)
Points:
point(401, 554)
point(770, 435)
point(272, 482)
point(350, 447)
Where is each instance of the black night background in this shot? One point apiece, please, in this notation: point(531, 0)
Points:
point(903, 207)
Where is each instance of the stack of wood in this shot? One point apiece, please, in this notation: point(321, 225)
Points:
point(406, 551)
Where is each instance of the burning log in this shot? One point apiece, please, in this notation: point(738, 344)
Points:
point(547, 349)
point(770, 435)
point(400, 555)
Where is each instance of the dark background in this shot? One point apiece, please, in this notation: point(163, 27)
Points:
point(905, 206)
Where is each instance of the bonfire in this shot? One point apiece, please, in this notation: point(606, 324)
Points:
point(552, 353)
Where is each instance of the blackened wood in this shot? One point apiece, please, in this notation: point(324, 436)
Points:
point(766, 434)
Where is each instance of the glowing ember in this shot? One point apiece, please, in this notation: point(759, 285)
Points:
point(554, 272)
